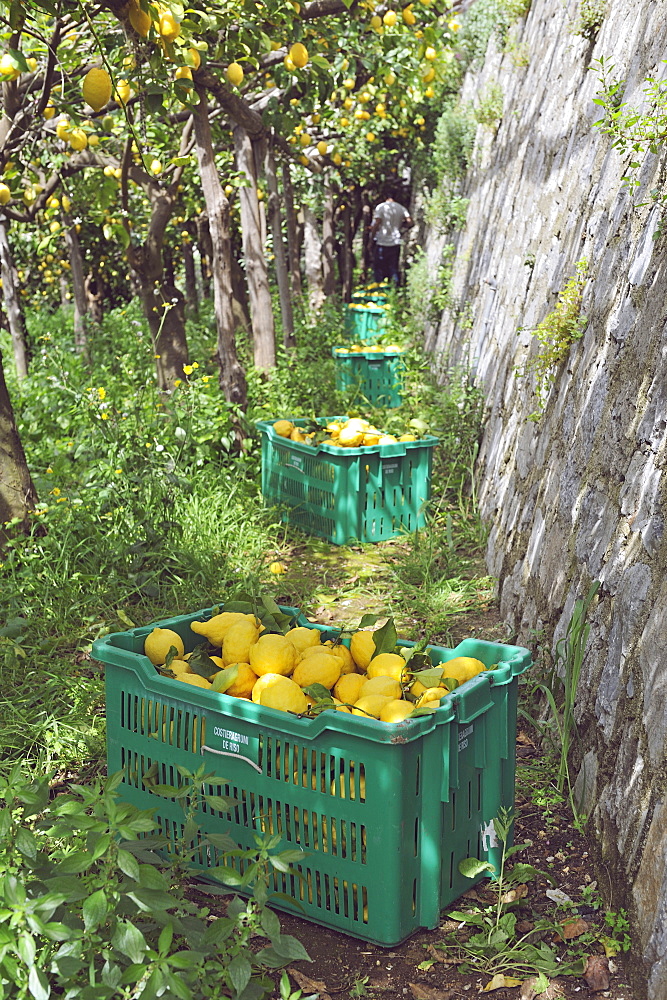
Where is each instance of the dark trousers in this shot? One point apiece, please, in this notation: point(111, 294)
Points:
point(385, 263)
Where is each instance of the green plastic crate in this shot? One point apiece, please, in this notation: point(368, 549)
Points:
point(347, 494)
point(364, 323)
point(385, 813)
point(377, 375)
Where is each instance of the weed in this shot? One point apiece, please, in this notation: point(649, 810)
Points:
point(590, 16)
point(494, 944)
point(359, 988)
point(488, 110)
point(555, 335)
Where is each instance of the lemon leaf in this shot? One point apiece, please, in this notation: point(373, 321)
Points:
point(202, 664)
point(225, 678)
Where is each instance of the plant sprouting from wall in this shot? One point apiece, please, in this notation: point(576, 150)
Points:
point(555, 335)
point(488, 19)
point(489, 108)
point(634, 130)
point(453, 142)
point(429, 290)
point(445, 211)
point(590, 16)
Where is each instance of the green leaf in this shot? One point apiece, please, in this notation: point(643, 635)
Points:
point(270, 923)
point(75, 863)
point(186, 959)
point(94, 910)
point(202, 664)
point(38, 984)
point(128, 864)
point(27, 948)
point(290, 948)
point(471, 867)
point(225, 678)
point(26, 843)
point(318, 692)
point(239, 971)
point(129, 941)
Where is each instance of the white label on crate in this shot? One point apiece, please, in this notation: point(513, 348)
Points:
point(230, 743)
point(296, 461)
point(389, 466)
point(464, 737)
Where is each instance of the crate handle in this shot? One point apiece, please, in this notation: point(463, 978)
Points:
point(236, 756)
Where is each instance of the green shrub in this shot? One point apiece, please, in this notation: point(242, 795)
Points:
point(590, 16)
point(90, 911)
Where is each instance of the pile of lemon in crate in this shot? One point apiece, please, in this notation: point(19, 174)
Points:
point(353, 432)
point(296, 672)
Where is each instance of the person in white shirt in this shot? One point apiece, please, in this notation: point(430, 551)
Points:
point(389, 218)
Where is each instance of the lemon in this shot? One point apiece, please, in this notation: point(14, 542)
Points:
point(277, 568)
point(298, 53)
point(371, 704)
point(237, 642)
point(194, 58)
point(195, 680)
point(246, 678)
point(262, 683)
point(390, 18)
point(350, 437)
point(283, 427)
point(183, 73)
point(362, 648)
point(7, 68)
point(139, 19)
point(284, 695)
point(77, 139)
point(5, 194)
point(96, 88)
point(297, 435)
point(322, 668)
point(462, 668)
point(388, 439)
point(345, 656)
point(431, 695)
point(180, 666)
point(387, 665)
point(168, 26)
point(396, 711)
point(303, 638)
point(63, 127)
point(430, 53)
point(322, 148)
point(123, 91)
point(348, 688)
point(381, 685)
point(234, 74)
point(408, 16)
point(216, 628)
point(273, 654)
point(316, 651)
point(158, 643)
point(49, 111)
point(340, 707)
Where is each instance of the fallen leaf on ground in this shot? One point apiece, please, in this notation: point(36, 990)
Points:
point(552, 992)
point(440, 956)
point(525, 926)
point(306, 983)
point(429, 993)
point(520, 892)
point(500, 981)
point(522, 737)
point(572, 928)
point(596, 973)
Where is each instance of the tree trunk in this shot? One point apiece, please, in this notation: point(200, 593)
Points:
point(312, 252)
point(190, 275)
point(367, 243)
point(328, 245)
point(18, 495)
point(232, 377)
point(346, 253)
point(293, 248)
point(81, 345)
point(10, 286)
point(162, 302)
point(279, 255)
point(261, 312)
point(94, 285)
point(205, 253)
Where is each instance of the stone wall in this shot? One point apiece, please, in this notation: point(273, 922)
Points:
point(579, 494)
